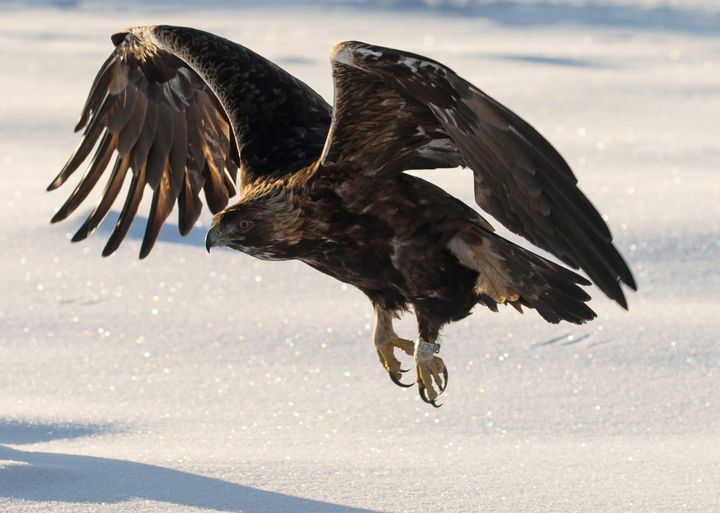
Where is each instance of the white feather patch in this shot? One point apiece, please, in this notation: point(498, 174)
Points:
point(493, 278)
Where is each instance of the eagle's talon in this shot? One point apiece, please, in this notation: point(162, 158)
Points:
point(432, 379)
point(424, 398)
point(445, 379)
point(386, 354)
point(396, 379)
point(407, 346)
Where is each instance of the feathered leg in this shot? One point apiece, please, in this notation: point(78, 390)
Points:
point(432, 375)
point(386, 341)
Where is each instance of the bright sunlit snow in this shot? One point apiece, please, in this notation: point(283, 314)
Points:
point(188, 382)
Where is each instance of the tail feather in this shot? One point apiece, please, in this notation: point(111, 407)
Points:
point(513, 275)
point(547, 287)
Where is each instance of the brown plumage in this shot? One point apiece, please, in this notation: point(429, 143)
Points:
point(183, 111)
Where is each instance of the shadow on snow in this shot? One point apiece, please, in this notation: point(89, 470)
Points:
point(18, 432)
point(515, 13)
point(55, 477)
point(169, 232)
point(547, 60)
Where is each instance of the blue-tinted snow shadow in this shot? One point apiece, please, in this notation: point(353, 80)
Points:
point(19, 432)
point(563, 340)
point(551, 13)
point(56, 477)
point(544, 60)
point(45, 476)
point(169, 232)
point(513, 13)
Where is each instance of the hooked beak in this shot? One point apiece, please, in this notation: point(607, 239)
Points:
point(211, 239)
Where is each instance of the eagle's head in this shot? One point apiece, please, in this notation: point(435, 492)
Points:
point(263, 227)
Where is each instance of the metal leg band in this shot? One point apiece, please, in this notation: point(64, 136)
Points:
point(427, 347)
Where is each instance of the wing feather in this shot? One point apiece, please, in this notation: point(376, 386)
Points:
point(132, 202)
point(97, 90)
point(189, 207)
point(179, 150)
point(160, 102)
point(87, 143)
point(125, 109)
point(112, 189)
point(158, 157)
point(141, 149)
point(164, 197)
point(131, 131)
point(396, 111)
point(99, 163)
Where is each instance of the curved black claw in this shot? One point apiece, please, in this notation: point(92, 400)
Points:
point(421, 389)
point(404, 370)
point(396, 379)
point(445, 380)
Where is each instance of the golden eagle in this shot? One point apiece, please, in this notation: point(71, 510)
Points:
point(187, 112)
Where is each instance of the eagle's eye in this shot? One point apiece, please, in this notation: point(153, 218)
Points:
point(244, 225)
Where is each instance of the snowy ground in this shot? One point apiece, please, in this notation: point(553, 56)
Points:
point(193, 383)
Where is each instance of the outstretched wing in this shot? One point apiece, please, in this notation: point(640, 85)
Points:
point(396, 111)
point(182, 110)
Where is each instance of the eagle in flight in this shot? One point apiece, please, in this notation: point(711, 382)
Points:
point(186, 112)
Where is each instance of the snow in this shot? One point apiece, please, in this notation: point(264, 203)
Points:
point(188, 382)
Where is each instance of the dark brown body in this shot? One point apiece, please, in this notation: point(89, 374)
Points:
point(390, 241)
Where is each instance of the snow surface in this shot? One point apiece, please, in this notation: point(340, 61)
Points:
point(193, 383)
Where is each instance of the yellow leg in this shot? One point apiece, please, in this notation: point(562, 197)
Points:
point(386, 340)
